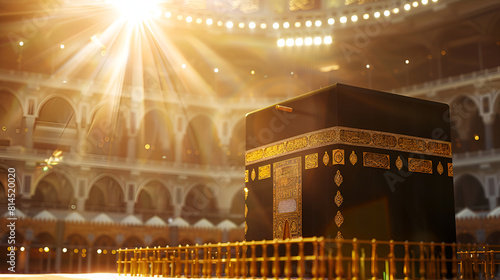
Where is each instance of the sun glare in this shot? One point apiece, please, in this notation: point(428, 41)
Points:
point(136, 11)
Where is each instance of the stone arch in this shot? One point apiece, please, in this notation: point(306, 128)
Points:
point(466, 122)
point(53, 96)
point(199, 202)
point(154, 198)
point(56, 125)
point(133, 242)
point(103, 258)
point(104, 241)
point(11, 119)
point(17, 96)
point(75, 245)
point(187, 241)
point(106, 133)
point(159, 242)
point(39, 257)
point(470, 193)
point(466, 238)
point(53, 190)
point(76, 240)
point(155, 138)
point(100, 176)
point(105, 195)
point(201, 143)
point(493, 238)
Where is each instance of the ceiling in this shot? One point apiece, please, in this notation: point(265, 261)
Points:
point(440, 39)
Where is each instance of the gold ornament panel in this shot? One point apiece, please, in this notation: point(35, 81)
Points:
point(287, 197)
point(353, 158)
point(311, 161)
point(399, 163)
point(338, 156)
point(350, 136)
point(326, 158)
point(376, 160)
point(420, 165)
point(264, 171)
point(338, 179)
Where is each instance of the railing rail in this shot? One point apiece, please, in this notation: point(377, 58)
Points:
point(314, 258)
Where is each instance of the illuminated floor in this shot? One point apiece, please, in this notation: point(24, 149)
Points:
point(85, 276)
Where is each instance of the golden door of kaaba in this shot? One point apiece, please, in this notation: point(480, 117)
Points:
point(348, 162)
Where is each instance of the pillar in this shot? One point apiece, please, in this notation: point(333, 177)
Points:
point(488, 132)
point(131, 148)
point(29, 122)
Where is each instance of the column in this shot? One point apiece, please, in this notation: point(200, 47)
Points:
point(130, 197)
point(29, 122)
point(179, 132)
point(178, 201)
point(81, 190)
point(488, 131)
point(131, 148)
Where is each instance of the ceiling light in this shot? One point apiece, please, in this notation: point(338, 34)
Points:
point(331, 21)
point(317, 40)
point(318, 23)
point(343, 19)
point(327, 40)
point(281, 42)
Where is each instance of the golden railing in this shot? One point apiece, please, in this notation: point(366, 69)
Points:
point(314, 258)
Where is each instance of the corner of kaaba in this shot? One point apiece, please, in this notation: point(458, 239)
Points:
point(347, 162)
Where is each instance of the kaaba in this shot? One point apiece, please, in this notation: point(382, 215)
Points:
point(347, 162)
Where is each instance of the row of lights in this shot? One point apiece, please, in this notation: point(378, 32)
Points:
point(307, 41)
point(286, 25)
point(65, 250)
